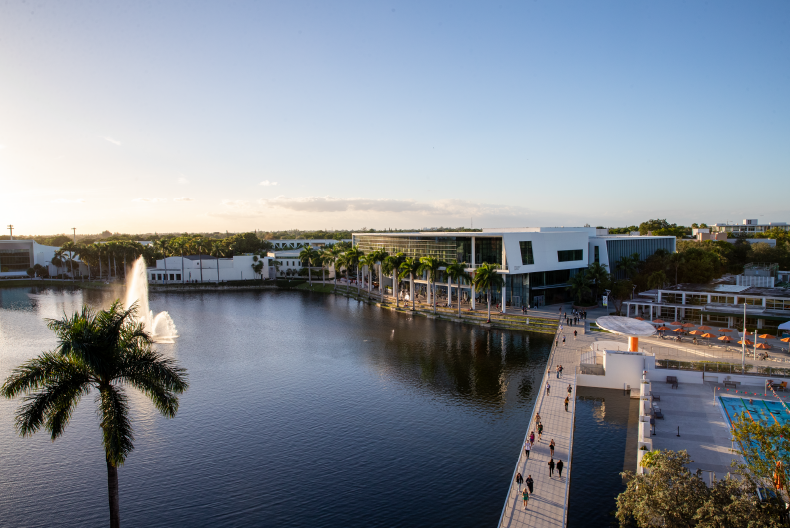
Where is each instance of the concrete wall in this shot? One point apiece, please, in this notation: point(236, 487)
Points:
point(621, 369)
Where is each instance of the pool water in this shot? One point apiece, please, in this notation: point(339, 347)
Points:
point(768, 411)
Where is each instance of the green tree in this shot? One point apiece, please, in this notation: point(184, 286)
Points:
point(657, 280)
point(485, 279)
point(457, 272)
point(765, 449)
point(408, 268)
point(675, 260)
point(597, 273)
point(621, 292)
point(103, 352)
point(579, 286)
point(368, 261)
point(352, 257)
point(430, 266)
point(391, 264)
point(309, 256)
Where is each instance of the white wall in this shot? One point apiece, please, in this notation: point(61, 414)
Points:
point(544, 250)
point(237, 268)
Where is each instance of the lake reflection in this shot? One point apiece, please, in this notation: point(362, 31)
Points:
point(304, 409)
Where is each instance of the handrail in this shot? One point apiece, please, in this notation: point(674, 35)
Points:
point(535, 409)
point(570, 443)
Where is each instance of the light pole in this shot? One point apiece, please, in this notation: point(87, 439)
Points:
point(743, 341)
point(11, 230)
point(74, 238)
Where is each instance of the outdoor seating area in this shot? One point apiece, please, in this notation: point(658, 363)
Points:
point(713, 336)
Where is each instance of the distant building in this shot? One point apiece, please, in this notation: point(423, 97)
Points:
point(298, 243)
point(188, 269)
point(749, 226)
point(16, 256)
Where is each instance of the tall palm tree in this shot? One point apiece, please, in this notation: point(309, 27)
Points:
point(308, 256)
point(579, 286)
point(333, 254)
point(597, 273)
point(390, 264)
point(430, 266)
point(486, 278)
point(342, 262)
point(408, 268)
point(352, 259)
point(378, 259)
point(218, 250)
point(457, 272)
point(368, 261)
point(163, 245)
point(99, 252)
point(103, 352)
point(676, 260)
point(202, 246)
point(68, 248)
point(57, 261)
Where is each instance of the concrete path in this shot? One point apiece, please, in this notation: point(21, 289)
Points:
point(548, 504)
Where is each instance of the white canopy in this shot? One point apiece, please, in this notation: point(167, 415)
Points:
point(785, 326)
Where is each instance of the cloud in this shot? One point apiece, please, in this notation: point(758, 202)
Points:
point(113, 141)
point(267, 183)
point(183, 181)
point(327, 204)
point(68, 200)
point(148, 200)
point(182, 199)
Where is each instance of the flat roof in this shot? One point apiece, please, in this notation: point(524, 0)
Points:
point(754, 291)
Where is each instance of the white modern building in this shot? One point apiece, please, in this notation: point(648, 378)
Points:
point(16, 256)
point(536, 262)
point(299, 243)
point(205, 268)
point(749, 226)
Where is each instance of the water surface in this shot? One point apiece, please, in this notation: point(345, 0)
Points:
point(304, 409)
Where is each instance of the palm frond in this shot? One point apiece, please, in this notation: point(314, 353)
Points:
point(157, 377)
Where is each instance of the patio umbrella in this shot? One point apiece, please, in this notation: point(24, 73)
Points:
point(659, 321)
point(638, 318)
point(785, 340)
point(678, 330)
point(676, 323)
point(763, 346)
point(726, 339)
point(726, 330)
point(688, 325)
point(662, 328)
point(765, 336)
point(705, 328)
point(696, 332)
point(708, 336)
point(747, 342)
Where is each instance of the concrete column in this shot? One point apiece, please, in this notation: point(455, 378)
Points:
point(628, 310)
point(504, 256)
point(472, 295)
point(450, 293)
point(683, 298)
point(709, 298)
point(504, 297)
point(473, 252)
point(729, 322)
point(659, 295)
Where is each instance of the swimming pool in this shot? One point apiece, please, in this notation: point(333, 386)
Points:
point(768, 411)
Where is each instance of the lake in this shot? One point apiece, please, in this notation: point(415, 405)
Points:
point(303, 409)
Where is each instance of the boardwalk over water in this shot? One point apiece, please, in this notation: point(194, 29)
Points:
point(548, 504)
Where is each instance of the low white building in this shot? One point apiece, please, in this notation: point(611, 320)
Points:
point(205, 268)
point(299, 243)
point(16, 256)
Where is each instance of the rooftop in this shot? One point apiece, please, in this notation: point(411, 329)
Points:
point(754, 291)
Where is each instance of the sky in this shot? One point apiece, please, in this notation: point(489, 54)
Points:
point(177, 116)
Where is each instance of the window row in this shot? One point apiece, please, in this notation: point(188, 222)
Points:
point(158, 276)
point(569, 255)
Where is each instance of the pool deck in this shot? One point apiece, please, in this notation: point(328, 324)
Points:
point(548, 505)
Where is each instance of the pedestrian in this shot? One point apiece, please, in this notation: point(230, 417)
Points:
point(551, 468)
point(531, 439)
point(525, 496)
point(519, 479)
point(563, 339)
point(530, 482)
point(548, 388)
point(559, 467)
point(540, 431)
point(558, 371)
point(567, 399)
point(551, 448)
point(570, 389)
point(561, 369)
point(537, 418)
point(574, 334)
point(528, 447)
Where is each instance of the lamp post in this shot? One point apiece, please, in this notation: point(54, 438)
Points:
point(11, 230)
point(743, 341)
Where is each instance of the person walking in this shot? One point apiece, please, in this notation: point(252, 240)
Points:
point(530, 482)
point(563, 339)
point(537, 418)
point(567, 400)
point(561, 368)
point(525, 496)
point(559, 467)
point(551, 448)
point(551, 468)
point(540, 431)
point(574, 334)
point(570, 389)
point(531, 439)
point(528, 447)
point(558, 371)
point(519, 480)
point(548, 388)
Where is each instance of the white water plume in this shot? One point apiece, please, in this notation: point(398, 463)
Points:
point(160, 326)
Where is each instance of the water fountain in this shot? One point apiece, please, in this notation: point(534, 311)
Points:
point(160, 326)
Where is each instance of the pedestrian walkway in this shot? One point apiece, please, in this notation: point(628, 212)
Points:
point(548, 504)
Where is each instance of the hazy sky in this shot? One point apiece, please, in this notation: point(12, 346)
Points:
point(184, 116)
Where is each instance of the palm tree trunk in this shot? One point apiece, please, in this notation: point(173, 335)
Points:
point(217, 268)
point(100, 270)
point(182, 266)
point(309, 273)
point(450, 291)
point(334, 267)
point(112, 489)
point(395, 287)
point(411, 290)
point(71, 266)
point(459, 297)
point(489, 305)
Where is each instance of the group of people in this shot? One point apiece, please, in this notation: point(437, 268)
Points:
point(530, 442)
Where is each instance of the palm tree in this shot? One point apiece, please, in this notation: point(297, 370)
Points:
point(68, 248)
point(657, 279)
point(335, 253)
point(487, 278)
point(391, 264)
point(57, 262)
point(368, 261)
point(102, 352)
point(408, 268)
point(579, 286)
point(457, 272)
point(597, 273)
point(98, 250)
point(163, 245)
point(308, 256)
point(342, 262)
point(353, 256)
point(325, 257)
point(202, 245)
point(676, 260)
point(379, 257)
point(218, 250)
point(430, 266)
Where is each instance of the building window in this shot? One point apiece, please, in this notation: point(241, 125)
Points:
point(153, 276)
point(570, 255)
point(14, 259)
point(171, 276)
point(722, 299)
point(526, 252)
point(597, 256)
point(750, 302)
point(777, 304)
point(178, 276)
point(672, 298)
point(696, 299)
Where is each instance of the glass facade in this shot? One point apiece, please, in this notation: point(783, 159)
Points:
point(14, 259)
point(626, 247)
point(526, 252)
point(570, 255)
point(488, 250)
point(447, 249)
point(597, 254)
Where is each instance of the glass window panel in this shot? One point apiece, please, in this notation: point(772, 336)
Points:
point(526, 252)
point(570, 255)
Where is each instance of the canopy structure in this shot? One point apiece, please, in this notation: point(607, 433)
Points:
point(785, 326)
point(627, 326)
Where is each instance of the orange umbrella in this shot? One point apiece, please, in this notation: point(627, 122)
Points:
point(676, 323)
point(785, 340)
point(696, 332)
point(703, 327)
point(726, 330)
point(749, 333)
point(726, 339)
point(638, 318)
point(763, 346)
point(765, 336)
point(688, 325)
point(678, 330)
point(747, 342)
point(659, 321)
point(708, 336)
point(662, 328)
